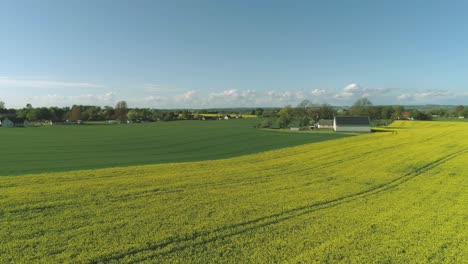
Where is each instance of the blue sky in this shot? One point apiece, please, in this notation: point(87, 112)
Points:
point(199, 54)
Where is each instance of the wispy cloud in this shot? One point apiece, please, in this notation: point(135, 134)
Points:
point(427, 96)
point(354, 90)
point(152, 88)
point(8, 83)
point(190, 98)
point(68, 100)
point(317, 92)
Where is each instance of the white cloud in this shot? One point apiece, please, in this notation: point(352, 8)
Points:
point(317, 92)
point(154, 99)
point(151, 88)
point(188, 98)
point(190, 95)
point(68, 100)
point(8, 83)
point(281, 98)
point(153, 96)
point(352, 88)
point(353, 91)
point(428, 96)
point(232, 97)
point(349, 91)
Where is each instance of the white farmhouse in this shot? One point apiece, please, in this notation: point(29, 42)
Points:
point(325, 123)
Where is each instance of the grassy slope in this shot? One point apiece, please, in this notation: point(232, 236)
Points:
point(60, 148)
point(375, 198)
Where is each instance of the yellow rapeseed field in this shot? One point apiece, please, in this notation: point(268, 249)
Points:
point(388, 197)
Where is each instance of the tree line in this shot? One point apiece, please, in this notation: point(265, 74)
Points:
point(306, 113)
point(120, 112)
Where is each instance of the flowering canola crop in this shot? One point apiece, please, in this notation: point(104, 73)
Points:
point(383, 197)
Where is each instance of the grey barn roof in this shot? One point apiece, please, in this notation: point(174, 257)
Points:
point(352, 121)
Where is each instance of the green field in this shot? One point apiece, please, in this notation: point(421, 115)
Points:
point(397, 197)
point(61, 148)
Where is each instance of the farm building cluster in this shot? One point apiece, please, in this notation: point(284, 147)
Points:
point(344, 124)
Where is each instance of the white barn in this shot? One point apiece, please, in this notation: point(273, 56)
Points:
point(352, 124)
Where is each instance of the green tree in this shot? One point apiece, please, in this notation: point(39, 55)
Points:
point(285, 116)
point(304, 121)
point(259, 112)
point(387, 112)
point(397, 111)
point(121, 111)
point(326, 111)
point(362, 102)
point(75, 113)
point(2, 105)
point(40, 113)
point(459, 110)
point(133, 115)
point(418, 115)
point(108, 113)
point(361, 107)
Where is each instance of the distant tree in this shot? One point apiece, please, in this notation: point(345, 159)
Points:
point(107, 113)
point(91, 113)
point(361, 107)
point(133, 115)
point(184, 114)
point(269, 113)
point(75, 113)
point(418, 115)
point(22, 113)
point(265, 123)
point(464, 113)
point(374, 112)
point(259, 112)
point(387, 112)
point(146, 114)
point(439, 112)
point(304, 121)
point(40, 113)
point(29, 106)
point(169, 116)
point(59, 113)
point(304, 104)
point(459, 109)
point(285, 116)
point(325, 111)
point(121, 111)
point(397, 111)
point(3, 111)
point(362, 102)
point(302, 109)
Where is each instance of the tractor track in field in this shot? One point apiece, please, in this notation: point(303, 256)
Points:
point(204, 237)
point(325, 157)
point(275, 173)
